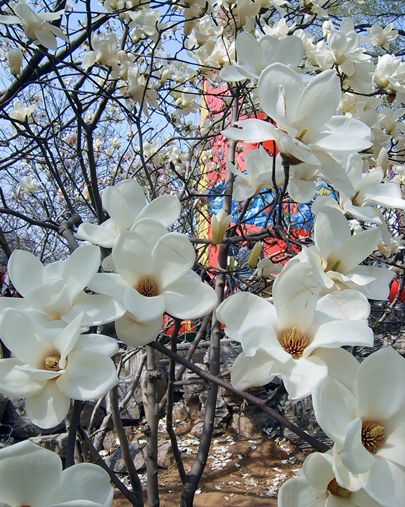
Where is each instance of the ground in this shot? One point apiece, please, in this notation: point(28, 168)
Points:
point(239, 472)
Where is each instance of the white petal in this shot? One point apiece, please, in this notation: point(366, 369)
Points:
point(330, 230)
point(251, 371)
point(134, 196)
point(189, 299)
point(52, 299)
point(110, 284)
point(252, 131)
point(295, 295)
point(66, 339)
point(47, 39)
point(15, 383)
point(99, 342)
point(300, 190)
point(335, 407)
point(143, 308)
point(48, 408)
point(132, 257)
point(103, 236)
point(355, 456)
point(318, 471)
point(97, 309)
point(165, 209)
point(296, 492)
point(385, 483)
point(342, 366)
point(341, 332)
point(117, 207)
point(172, 257)
point(23, 338)
point(342, 134)
point(150, 229)
point(84, 481)
point(250, 52)
point(379, 288)
point(357, 248)
point(29, 474)
point(393, 447)
point(135, 333)
point(344, 305)
point(26, 271)
point(301, 376)
point(379, 400)
point(271, 79)
point(80, 267)
point(343, 476)
point(289, 51)
point(88, 376)
point(242, 191)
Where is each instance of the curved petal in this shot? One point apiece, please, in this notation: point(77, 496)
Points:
point(33, 472)
point(330, 231)
point(357, 248)
point(99, 342)
point(271, 79)
point(342, 366)
point(249, 52)
point(117, 207)
point(150, 229)
point(23, 338)
point(109, 284)
point(96, 234)
point(385, 483)
point(251, 371)
point(88, 376)
point(344, 305)
point(143, 308)
point(296, 492)
point(381, 400)
point(300, 190)
point(318, 102)
point(51, 299)
point(289, 51)
point(165, 209)
point(379, 288)
point(301, 376)
point(67, 338)
point(134, 196)
point(343, 476)
point(355, 456)
point(335, 407)
point(16, 383)
point(252, 131)
point(342, 134)
point(80, 267)
point(132, 257)
point(241, 190)
point(232, 73)
point(263, 338)
point(26, 271)
point(96, 309)
point(48, 408)
point(85, 481)
point(318, 471)
point(393, 447)
point(189, 299)
point(172, 258)
point(47, 39)
point(135, 333)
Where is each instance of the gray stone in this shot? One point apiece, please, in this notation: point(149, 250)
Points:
point(165, 454)
point(87, 410)
point(55, 443)
point(16, 418)
point(132, 409)
point(116, 462)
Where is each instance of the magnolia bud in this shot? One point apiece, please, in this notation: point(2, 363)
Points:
point(231, 262)
point(254, 255)
point(14, 58)
point(219, 224)
point(382, 160)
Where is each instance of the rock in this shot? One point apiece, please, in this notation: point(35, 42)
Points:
point(244, 426)
point(197, 428)
point(165, 454)
point(180, 412)
point(138, 453)
point(87, 410)
point(132, 409)
point(3, 405)
point(55, 443)
point(22, 428)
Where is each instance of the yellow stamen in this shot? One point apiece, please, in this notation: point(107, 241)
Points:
point(294, 343)
point(372, 436)
point(337, 490)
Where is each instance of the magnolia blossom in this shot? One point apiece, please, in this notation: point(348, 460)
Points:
point(51, 366)
point(381, 36)
point(20, 112)
point(219, 224)
point(367, 422)
point(53, 295)
point(306, 130)
point(298, 337)
point(154, 276)
point(259, 169)
point(337, 254)
point(14, 57)
point(316, 485)
point(104, 52)
point(29, 185)
point(125, 203)
point(35, 24)
point(32, 475)
point(255, 55)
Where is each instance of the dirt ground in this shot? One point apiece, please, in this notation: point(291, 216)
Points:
point(239, 472)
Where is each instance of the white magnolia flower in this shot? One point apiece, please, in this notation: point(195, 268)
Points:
point(104, 52)
point(154, 276)
point(337, 254)
point(14, 57)
point(367, 422)
point(306, 129)
point(20, 112)
point(298, 337)
point(219, 224)
point(29, 185)
point(125, 203)
point(316, 485)
point(32, 475)
point(381, 36)
point(53, 295)
point(255, 55)
point(51, 366)
point(35, 24)
point(259, 169)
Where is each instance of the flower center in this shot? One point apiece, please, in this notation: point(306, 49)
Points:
point(52, 363)
point(334, 267)
point(337, 490)
point(372, 436)
point(294, 343)
point(148, 288)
